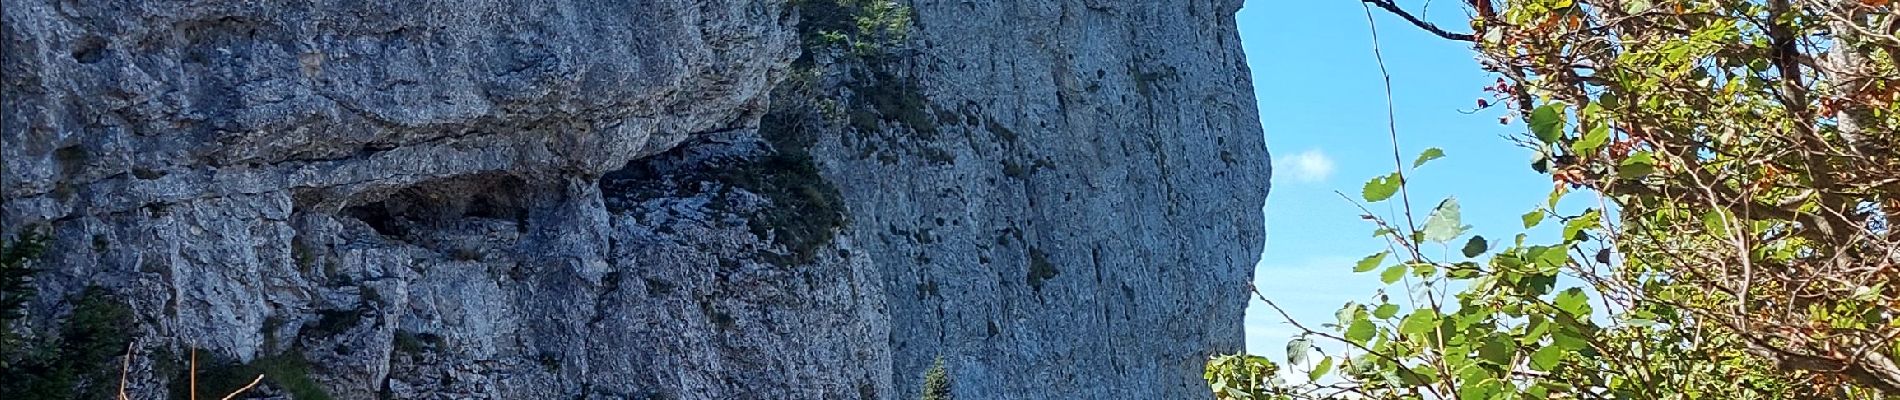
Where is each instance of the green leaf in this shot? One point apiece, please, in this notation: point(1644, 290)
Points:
point(1380, 188)
point(1549, 258)
point(1568, 339)
point(1427, 156)
point(1869, 293)
point(1551, 387)
point(1463, 270)
point(1325, 365)
point(1296, 350)
point(1479, 389)
point(1716, 222)
point(1392, 274)
point(1593, 140)
point(1472, 372)
point(1592, 110)
point(1574, 302)
point(1635, 6)
point(1541, 283)
point(1445, 223)
point(1573, 230)
point(1546, 358)
point(1424, 270)
point(1419, 322)
point(1385, 311)
point(1476, 246)
point(1418, 375)
point(1497, 350)
point(1370, 262)
point(1360, 330)
point(1609, 98)
point(1547, 122)
point(1531, 219)
point(1637, 165)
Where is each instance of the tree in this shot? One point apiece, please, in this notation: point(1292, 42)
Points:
point(1746, 158)
point(16, 287)
point(936, 383)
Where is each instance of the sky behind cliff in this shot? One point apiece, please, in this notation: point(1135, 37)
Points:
point(1324, 111)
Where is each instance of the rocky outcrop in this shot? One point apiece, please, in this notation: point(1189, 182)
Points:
point(655, 199)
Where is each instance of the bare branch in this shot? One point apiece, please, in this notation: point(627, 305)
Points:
point(1388, 6)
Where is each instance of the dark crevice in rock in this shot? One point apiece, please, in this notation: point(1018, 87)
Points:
point(454, 216)
point(377, 217)
point(89, 50)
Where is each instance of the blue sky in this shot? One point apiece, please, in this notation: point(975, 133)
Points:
point(1323, 108)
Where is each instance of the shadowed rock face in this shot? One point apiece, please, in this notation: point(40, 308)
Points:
point(578, 199)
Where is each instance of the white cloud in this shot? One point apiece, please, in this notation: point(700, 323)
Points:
point(1307, 166)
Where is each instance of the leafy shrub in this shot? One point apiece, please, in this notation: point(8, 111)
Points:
point(1745, 156)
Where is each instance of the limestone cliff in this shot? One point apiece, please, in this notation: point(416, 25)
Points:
point(674, 199)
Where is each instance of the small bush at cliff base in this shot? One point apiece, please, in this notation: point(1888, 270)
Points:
point(79, 363)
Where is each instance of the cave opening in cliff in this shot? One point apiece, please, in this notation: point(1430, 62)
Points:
point(431, 212)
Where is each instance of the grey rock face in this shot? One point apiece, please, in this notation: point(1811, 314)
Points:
point(1077, 213)
point(578, 199)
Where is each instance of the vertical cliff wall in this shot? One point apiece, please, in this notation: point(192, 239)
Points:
point(649, 199)
point(1063, 197)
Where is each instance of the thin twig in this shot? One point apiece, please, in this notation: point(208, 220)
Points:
point(1302, 327)
point(1392, 128)
point(126, 369)
point(1388, 6)
point(233, 395)
point(194, 373)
